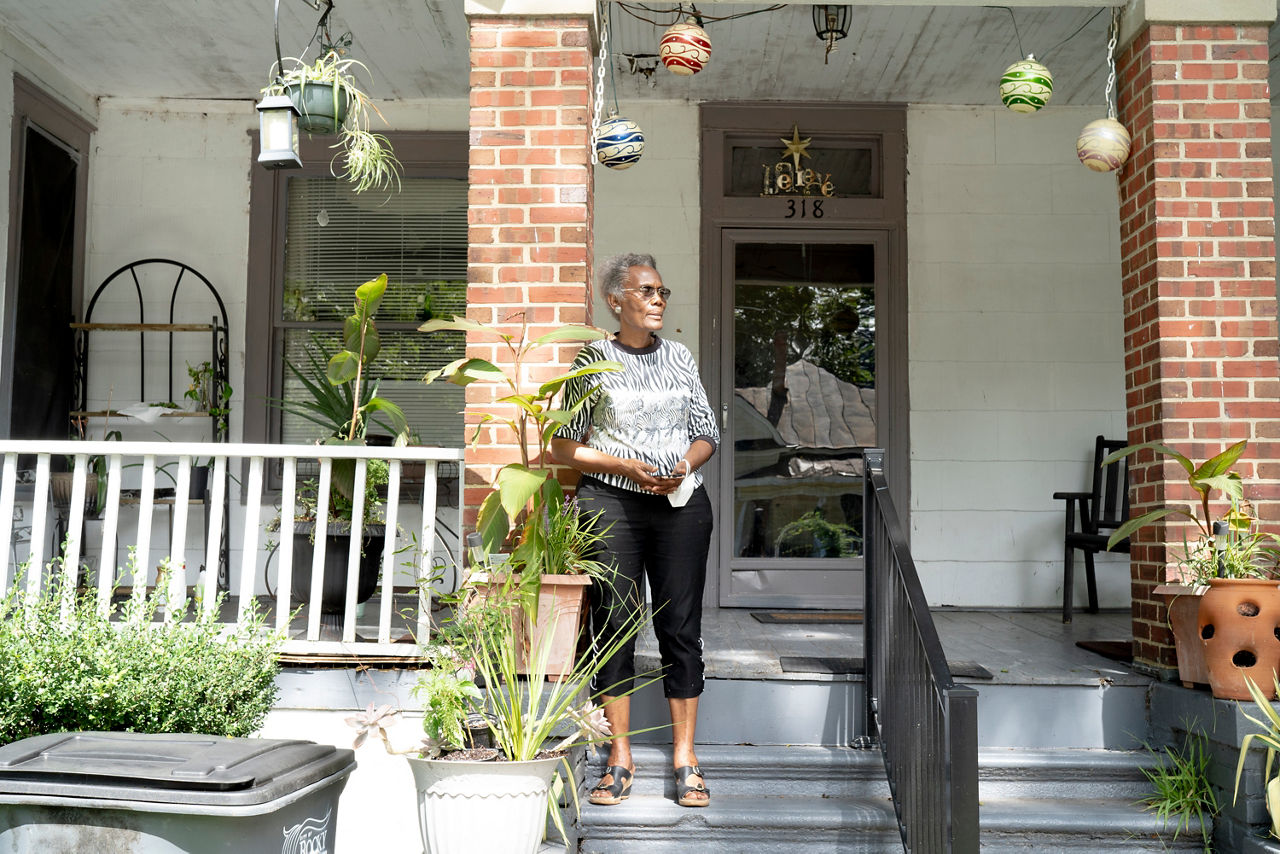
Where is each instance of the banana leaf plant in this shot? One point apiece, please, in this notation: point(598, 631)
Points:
point(526, 495)
point(341, 397)
point(1233, 550)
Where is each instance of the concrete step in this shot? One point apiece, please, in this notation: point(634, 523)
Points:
point(833, 799)
point(756, 771)
point(1063, 773)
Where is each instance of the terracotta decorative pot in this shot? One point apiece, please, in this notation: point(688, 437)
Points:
point(1184, 609)
point(1239, 626)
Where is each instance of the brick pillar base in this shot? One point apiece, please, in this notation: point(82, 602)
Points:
point(530, 204)
point(1198, 256)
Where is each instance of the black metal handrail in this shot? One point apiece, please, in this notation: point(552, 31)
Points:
point(926, 725)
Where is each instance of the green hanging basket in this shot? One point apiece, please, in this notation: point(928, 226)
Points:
point(322, 106)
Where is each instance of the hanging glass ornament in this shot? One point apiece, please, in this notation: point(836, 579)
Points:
point(1104, 144)
point(619, 142)
point(1026, 86)
point(685, 48)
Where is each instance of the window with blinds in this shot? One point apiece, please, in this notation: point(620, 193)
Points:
point(335, 241)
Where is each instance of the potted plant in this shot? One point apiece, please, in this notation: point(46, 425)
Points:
point(463, 788)
point(329, 99)
point(1233, 563)
point(61, 483)
point(546, 540)
point(342, 400)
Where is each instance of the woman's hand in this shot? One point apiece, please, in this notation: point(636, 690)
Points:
point(649, 478)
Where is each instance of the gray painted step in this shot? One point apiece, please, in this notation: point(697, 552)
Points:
point(835, 799)
point(741, 770)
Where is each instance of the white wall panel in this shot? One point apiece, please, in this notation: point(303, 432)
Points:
point(1016, 348)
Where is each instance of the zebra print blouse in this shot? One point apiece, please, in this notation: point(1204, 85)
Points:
point(651, 410)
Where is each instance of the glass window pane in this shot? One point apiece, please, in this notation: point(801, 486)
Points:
point(849, 168)
point(804, 402)
point(338, 240)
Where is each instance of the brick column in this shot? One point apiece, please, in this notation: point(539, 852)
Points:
point(1198, 265)
point(529, 211)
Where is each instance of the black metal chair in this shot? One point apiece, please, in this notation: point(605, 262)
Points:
point(1092, 517)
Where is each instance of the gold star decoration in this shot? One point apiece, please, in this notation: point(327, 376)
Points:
point(795, 147)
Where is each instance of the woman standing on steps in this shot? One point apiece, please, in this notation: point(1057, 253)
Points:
point(639, 441)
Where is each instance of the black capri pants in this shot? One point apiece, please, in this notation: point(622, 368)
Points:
point(669, 545)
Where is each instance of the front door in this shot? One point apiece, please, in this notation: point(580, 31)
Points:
point(797, 391)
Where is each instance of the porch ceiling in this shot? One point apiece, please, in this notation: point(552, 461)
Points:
point(945, 54)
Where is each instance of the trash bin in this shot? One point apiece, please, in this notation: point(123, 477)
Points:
point(137, 793)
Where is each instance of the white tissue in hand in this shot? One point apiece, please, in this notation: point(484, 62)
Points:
point(680, 497)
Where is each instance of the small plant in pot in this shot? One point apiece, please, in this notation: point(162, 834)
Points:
point(341, 399)
point(1269, 737)
point(1235, 560)
point(533, 723)
point(526, 516)
point(330, 100)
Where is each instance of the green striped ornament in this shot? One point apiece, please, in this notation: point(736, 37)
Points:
point(1026, 86)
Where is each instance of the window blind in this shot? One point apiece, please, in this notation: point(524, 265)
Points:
point(335, 241)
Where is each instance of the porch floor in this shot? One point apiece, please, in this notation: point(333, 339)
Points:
point(1031, 647)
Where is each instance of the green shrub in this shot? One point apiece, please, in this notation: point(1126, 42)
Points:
point(65, 667)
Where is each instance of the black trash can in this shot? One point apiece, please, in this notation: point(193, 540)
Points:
point(137, 793)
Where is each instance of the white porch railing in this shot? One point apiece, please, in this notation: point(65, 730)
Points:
point(411, 523)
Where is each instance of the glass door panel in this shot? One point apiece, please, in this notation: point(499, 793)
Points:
point(803, 406)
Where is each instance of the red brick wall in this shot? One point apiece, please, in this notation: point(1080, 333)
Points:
point(530, 204)
point(1198, 266)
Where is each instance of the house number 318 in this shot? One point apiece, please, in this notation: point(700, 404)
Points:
point(805, 210)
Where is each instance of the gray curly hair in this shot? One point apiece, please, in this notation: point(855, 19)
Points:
point(612, 274)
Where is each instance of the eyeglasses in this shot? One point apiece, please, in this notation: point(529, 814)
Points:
point(647, 292)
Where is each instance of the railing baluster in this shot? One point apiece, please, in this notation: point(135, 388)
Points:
point(356, 542)
point(252, 517)
point(423, 562)
point(71, 554)
point(284, 577)
point(7, 489)
point(39, 520)
point(387, 588)
point(321, 537)
point(212, 550)
point(110, 525)
point(145, 511)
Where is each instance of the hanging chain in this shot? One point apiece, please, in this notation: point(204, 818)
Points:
point(1111, 63)
point(604, 58)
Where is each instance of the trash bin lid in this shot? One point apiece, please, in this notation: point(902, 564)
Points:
point(192, 769)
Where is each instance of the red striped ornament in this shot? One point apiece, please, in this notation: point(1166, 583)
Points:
point(685, 48)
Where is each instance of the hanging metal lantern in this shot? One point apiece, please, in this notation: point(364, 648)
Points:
point(1103, 145)
point(830, 24)
point(619, 142)
point(1026, 86)
point(685, 48)
point(278, 133)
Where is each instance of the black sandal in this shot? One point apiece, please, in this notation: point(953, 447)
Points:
point(619, 790)
point(683, 789)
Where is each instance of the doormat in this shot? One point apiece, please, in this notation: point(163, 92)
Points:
point(1116, 650)
point(857, 666)
point(785, 617)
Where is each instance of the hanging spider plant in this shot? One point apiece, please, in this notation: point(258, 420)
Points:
point(330, 100)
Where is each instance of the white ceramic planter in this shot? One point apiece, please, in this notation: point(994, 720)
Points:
point(469, 807)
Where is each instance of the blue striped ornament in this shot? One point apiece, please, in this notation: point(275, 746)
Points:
point(619, 143)
point(1103, 145)
point(1026, 86)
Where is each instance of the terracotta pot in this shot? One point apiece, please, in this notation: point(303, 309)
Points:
point(1183, 603)
point(1239, 625)
point(561, 614)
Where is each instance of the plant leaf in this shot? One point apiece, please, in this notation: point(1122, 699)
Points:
point(516, 484)
point(461, 324)
point(1145, 519)
point(570, 333)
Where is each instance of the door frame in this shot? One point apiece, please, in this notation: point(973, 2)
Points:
point(32, 106)
point(723, 125)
